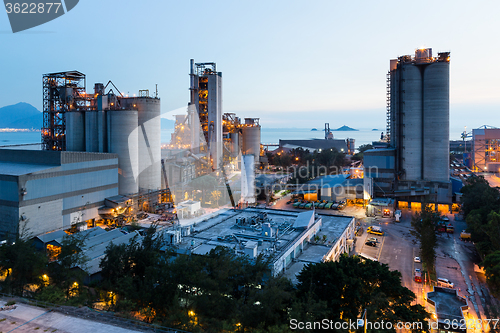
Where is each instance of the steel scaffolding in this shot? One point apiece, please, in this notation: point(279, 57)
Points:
point(62, 92)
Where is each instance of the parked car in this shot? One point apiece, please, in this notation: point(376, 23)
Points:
point(417, 259)
point(370, 243)
point(442, 282)
point(372, 239)
point(418, 275)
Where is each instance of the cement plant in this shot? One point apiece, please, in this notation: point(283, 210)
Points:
point(101, 172)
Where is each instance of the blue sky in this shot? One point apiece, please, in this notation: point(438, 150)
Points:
point(291, 63)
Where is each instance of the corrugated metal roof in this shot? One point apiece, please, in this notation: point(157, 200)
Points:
point(45, 238)
point(96, 253)
point(85, 233)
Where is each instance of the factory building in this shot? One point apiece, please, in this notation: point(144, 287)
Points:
point(206, 139)
point(104, 122)
point(96, 146)
point(414, 167)
point(334, 188)
point(486, 149)
point(448, 306)
point(290, 240)
point(49, 190)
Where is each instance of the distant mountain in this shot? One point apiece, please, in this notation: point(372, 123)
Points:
point(20, 115)
point(314, 129)
point(167, 124)
point(345, 128)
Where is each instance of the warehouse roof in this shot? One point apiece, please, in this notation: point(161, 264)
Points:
point(48, 237)
point(18, 169)
point(449, 305)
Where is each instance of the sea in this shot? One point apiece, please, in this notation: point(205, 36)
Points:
point(268, 135)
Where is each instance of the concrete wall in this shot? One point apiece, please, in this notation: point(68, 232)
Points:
point(54, 193)
point(42, 218)
point(9, 218)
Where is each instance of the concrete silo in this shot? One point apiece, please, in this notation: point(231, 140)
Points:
point(251, 138)
point(149, 140)
point(418, 126)
point(436, 117)
point(123, 140)
point(75, 131)
point(419, 115)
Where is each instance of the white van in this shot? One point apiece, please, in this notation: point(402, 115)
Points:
point(444, 283)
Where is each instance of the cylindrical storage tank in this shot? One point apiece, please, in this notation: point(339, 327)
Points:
point(251, 141)
point(437, 122)
point(235, 143)
point(149, 142)
point(248, 178)
point(123, 138)
point(102, 132)
point(91, 132)
point(411, 140)
point(75, 131)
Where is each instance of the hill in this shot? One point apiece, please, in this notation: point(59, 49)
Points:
point(167, 124)
point(345, 128)
point(20, 115)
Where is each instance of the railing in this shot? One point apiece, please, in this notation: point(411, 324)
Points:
point(92, 314)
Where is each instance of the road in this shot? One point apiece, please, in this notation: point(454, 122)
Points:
point(398, 247)
point(492, 179)
point(455, 261)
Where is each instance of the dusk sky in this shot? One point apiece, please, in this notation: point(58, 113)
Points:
point(291, 63)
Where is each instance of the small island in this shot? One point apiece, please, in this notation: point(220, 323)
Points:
point(345, 128)
point(375, 129)
point(314, 129)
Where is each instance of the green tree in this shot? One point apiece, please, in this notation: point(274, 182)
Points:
point(350, 286)
point(139, 273)
point(361, 150)
point(491, 265)
point(424, 228)
point(63, 272)
point(479, 195)
point(22, 265)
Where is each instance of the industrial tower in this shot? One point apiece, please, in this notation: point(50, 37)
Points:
point(419, 115)
point(414, 166)
point(62, 92)
point(206, 102)
point(105, 122)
